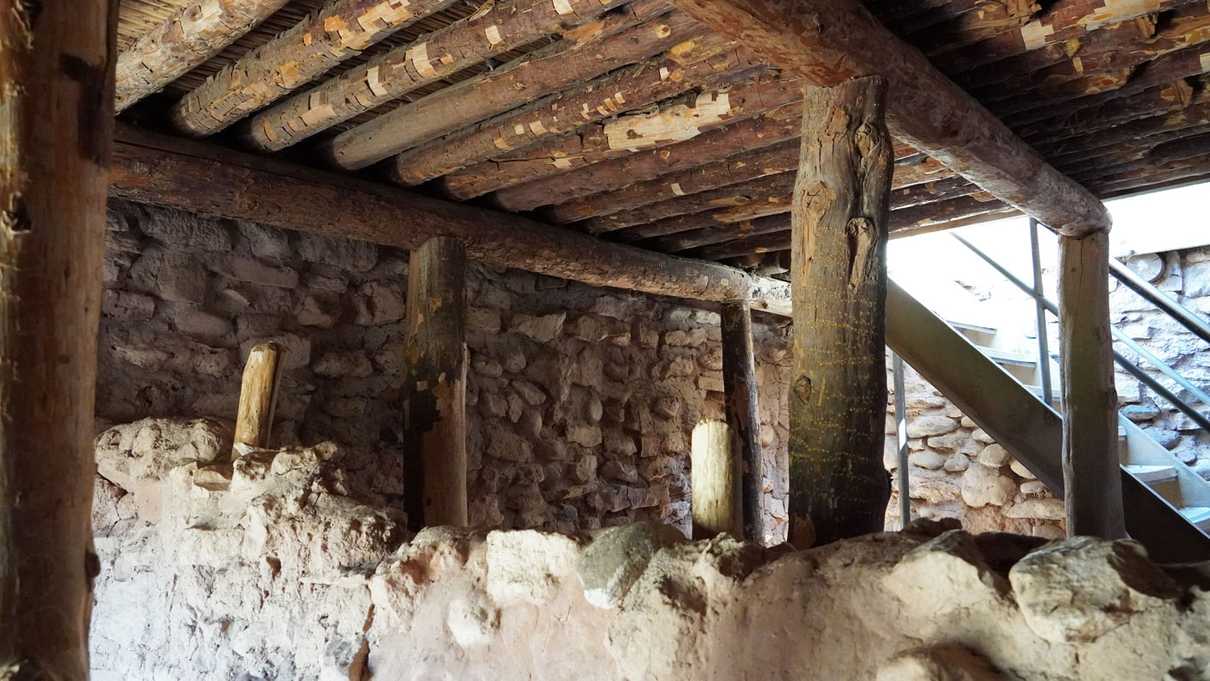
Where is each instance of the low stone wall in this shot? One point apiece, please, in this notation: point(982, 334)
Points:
point(956, 470)
point(581, 400)
point(292, 564)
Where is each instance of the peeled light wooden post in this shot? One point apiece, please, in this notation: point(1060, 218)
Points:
point(743, 419)
point(838, 486)
point(1092, 485)
point(258, 396)
point(435, 386)
point(714, 481)
point(56, 123)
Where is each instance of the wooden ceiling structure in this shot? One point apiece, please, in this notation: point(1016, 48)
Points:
point(631, 122)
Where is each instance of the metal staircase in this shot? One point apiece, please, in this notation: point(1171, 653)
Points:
point(1167, 505)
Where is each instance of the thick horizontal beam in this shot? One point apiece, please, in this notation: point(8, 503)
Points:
point(831, 41)
point(210, 180)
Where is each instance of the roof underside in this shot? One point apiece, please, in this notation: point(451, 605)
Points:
point(640, 126)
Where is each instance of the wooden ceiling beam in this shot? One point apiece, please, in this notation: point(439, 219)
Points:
point(709, 62)
point(195, 33)
point(831, 41)
point(209, 180)
point(627, 35)
point(310, 48)
point(672, 121)
point(499, 28)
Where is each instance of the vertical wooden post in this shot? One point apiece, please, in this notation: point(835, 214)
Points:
point(258, 396)
point(56, 129)
point(838, 486)
point(1091, 477)
point(435, 386)
point(743, 419)
point(713, 479)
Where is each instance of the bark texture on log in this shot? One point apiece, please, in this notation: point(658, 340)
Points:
point(434, 388)
point(56, 122)
point(743, 416)
point(1092, 486)
point(736, 97)
point(830, 41)
point(317, 43)
point(714, 483)
point(838, 485)
point(500, 27)
point(624, 36)
point(210, 180)
point(197, 32)
point(690, 64)
point(258, 396)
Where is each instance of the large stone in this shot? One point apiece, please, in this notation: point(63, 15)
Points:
point(1079, 590)
point(993, 455)
point(543, 329)
point(983, 485)
point(379, 303)
point(346, 254)
point(170, 275)
point(616, 558)
point(938, 663)
point(930, 424)
point(1149, 266)
point(181, 230)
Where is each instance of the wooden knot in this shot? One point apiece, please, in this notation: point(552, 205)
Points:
point(860, 233)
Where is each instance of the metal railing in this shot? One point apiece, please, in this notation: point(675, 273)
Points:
point(1123, 274)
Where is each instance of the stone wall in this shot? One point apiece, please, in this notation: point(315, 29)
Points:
point(293, 564)
point(582, 400)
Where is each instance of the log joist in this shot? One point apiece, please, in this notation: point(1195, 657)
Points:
point(664, 125)
point(705, 62)
point(637, 31)
point(313, 46)
point(498, 28)
point(208, 180)
point(831, 41)
point(197, 32)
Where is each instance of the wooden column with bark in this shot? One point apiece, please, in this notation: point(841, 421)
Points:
point(739, 387)
point(435, 386)
point(258, 396)
point(56, 118)
point(838, 486)
point(1092, 485)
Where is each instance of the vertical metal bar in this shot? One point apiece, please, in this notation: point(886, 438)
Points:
point(1039, 296)
point(905, 499)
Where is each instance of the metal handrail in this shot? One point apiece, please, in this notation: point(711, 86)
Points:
point(1040, 314)
point(1131, 368)
point(1153, 295)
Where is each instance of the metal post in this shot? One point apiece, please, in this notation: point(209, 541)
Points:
point(905, 500)
point(1039, 296)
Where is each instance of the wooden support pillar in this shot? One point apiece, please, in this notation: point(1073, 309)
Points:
point(743, 419)
point(1091, 477)
point(56, 128)
point(714, 481)
point(435, 386)
point(258, 396)
point(838, 486)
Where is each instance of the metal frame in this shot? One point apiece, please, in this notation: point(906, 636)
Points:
point(905, 501)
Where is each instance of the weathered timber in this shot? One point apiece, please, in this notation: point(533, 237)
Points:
point(667, 123)
point(1110, 118)
point(434, 386)
point(625, 36)
point(829, 41)
point(615, 172)
point(714, 481)
point(258, 396)
point(745, 167)
point(498, 28)
point(313, 46)
point(1064, 21)
point(57, 60)
point(1187, 63)
point(743, 416)
point(210, 180)
point(197, 32)
point(1091, 481)
point(838, 486)
point(683, 67)
point(708, 236)
point(987, 20)
point(758, 198)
